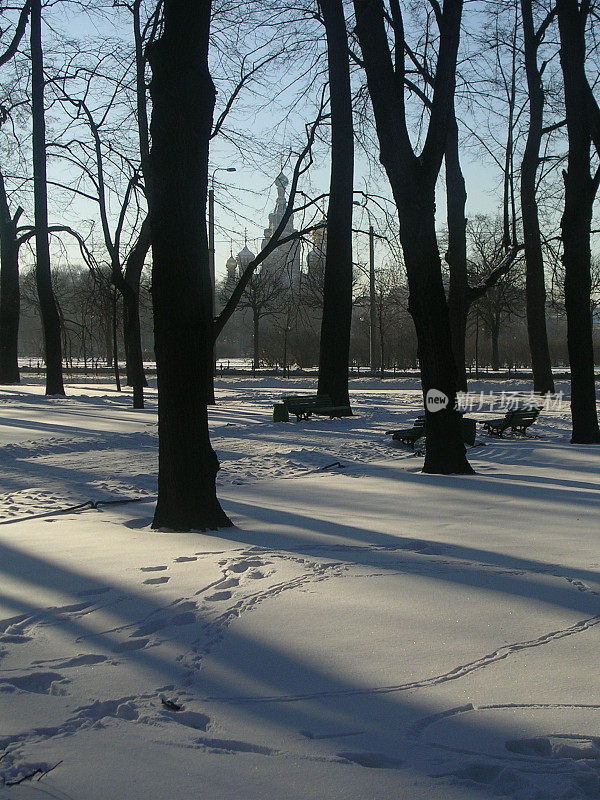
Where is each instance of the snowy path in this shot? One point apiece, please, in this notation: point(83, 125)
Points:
point(365, 631)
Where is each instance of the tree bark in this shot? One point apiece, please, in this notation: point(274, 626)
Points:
point(337, 287)
point(494, 338)
point(48, 309)
point(130, 290)
point(10, 297)
point(543, 381)
point(580, 191)
point(115, 342)
point(412, 180)
point(456, 254)
point(445, 451)
point(183, 98)
point(255, 340)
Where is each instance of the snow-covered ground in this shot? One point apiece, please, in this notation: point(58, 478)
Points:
point(365, 631)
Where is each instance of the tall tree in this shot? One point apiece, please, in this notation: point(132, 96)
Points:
point(337, 289)
point(9, 248)
point(9, 289)
point(183, 99)
point(130, 289)
point(48, 308)
point(581, 186)
point(413, 179)
point(543, 381)
point(459, 295)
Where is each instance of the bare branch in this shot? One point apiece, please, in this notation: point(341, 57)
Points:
point(20, 30)
point(498, 272)
point(299, 169)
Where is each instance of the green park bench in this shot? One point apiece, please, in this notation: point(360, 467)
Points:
point(517, 420)
point(411, 435)
point(304, 406)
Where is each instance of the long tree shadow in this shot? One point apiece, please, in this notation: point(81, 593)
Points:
point(324, 714)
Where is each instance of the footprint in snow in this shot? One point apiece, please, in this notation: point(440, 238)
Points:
point(182, 559)
point(154, 581)
point(37, 683)
point(133, 644)
point(229, 583)
point(153, 569)
point(219, 596)
point(153, 626)
point(190, 719)
point(246, 564)
point(372, 760)
point(72, 608)
point(576, 748)
point(234, 746)
point(82, 660)
point(14, 638)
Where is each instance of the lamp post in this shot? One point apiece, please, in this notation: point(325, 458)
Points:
point(372, 299)
point(211, 244)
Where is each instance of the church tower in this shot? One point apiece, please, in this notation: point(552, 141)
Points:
point(284, 259)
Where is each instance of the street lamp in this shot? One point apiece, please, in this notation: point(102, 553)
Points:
point(211, 243)
point(372, 299)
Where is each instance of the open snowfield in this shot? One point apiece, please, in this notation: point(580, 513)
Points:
point(364, 632)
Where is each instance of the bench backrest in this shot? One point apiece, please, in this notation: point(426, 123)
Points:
point(519, 415)
point(306, 401)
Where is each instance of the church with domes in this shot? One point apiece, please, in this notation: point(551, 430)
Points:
point(284, 261)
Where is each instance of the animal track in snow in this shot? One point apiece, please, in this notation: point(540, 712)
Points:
point(153, 569)
point(214, 630)
point(454, 674)
point(155, 581)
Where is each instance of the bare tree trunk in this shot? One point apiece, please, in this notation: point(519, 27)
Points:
point(10, 297)
point(108, 340)
point(49, 312)
point(255, 340)
point(337, 288)
point(445, 451)
point(580, 191)
point(494, 338)
point(183, 98)
point(456, 254)
point(115, 343)
point(130, 289)
point(543, 381)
